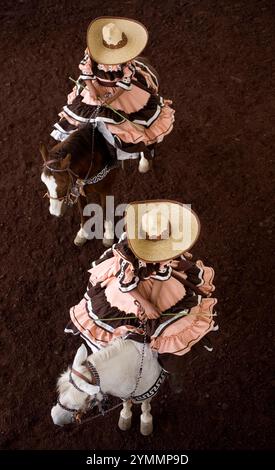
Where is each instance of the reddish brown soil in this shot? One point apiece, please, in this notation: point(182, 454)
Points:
point(214, 58)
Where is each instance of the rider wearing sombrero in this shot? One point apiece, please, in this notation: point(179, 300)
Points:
point(118, 90)
point(148, 275)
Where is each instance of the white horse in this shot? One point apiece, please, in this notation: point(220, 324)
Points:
point(124, 369)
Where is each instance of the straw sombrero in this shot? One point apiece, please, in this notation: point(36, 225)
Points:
point(160, 230)
point(115, 40)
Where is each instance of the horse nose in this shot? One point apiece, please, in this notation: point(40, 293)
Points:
point(57, 210)
point(60, 417)
point(55, 417)
point(52, 212)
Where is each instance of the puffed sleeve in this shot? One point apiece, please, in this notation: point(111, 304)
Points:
point(106, 255)
point(85, 67)
point(126, 276)
point(126, 81)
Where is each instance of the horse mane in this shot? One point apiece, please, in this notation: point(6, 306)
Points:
point(79, 143)
point(114, 348)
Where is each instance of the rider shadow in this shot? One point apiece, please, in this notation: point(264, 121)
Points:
point(177, 368)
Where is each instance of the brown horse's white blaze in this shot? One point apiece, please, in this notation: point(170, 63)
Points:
point(55, 207)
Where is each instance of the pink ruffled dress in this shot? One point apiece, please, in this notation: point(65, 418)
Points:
point(150, 116)
point(109, 303)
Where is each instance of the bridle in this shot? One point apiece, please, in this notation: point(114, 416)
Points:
point(74, 187)
point(77, 414)
point(90, 403)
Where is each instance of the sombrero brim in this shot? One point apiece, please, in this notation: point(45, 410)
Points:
point(137, 37)
point(185, 229)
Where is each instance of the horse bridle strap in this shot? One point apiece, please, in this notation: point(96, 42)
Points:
point(69, 195)
point(58, 170)
point(93, 381)
point(76, 188)
point(66, 408)
point(81, 376)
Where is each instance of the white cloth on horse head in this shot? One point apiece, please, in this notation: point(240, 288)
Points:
point(124, 357)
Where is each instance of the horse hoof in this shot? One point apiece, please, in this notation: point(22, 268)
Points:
point(143, 167)
point(108, 242)
point(146, 428)
point(124, 424)
point(79, 241)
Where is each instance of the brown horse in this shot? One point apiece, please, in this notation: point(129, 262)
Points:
point(76, 168)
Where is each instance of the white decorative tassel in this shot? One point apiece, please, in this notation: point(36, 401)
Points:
point(143, 166)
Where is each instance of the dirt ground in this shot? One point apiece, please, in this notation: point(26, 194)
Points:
point(214, 58)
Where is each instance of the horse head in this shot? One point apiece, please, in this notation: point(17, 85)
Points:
point(76, 391)
point(56, 175)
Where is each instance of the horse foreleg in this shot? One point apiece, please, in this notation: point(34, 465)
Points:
point(146, 419)
point(108, 234)
point(125, 417)
point(81, 238)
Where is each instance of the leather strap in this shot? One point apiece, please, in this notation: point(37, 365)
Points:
point(81, 376)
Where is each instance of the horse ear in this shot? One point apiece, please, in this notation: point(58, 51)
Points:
point(65, 162)
point(44, 151)
point(80, 356)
